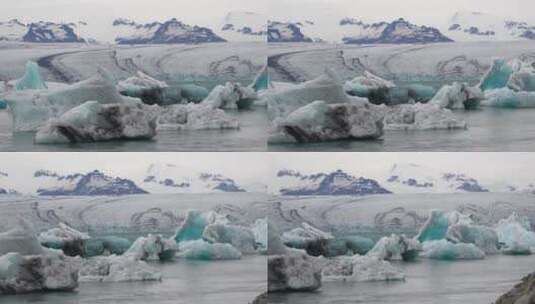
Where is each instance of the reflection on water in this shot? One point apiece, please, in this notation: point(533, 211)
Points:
point(427, 282)
point(184, 282)
point(252, 136)
point(489, 129)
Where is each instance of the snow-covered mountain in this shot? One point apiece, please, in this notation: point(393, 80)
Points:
point(475, 26)
point(397, 32)
point(169, 178)
point(41, 32)
point(94, 183)
point(168, 32)
point(287, 32)
point(6, 185)
point(244, 26)
point(290, 182)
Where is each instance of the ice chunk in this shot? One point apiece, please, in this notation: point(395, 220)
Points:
point(367, 85)
point(31, 109)
point(420, 117)
point(192, 227)
point(231, 96)
point(31, 79)
point(516, 236)
point(140, 82)
point(68, 239)
point(262, 80)
point(435, 228)
point(202, 250)
point(117, 269)
point(497, 76)
point(319, 121)
point(395, 248)
point(523, 77)
point(420, 93)
point(93, 121)
point(106, 245)
point(458, 96)
point(484, 238)
point(152, 247)
point(357, 244)
point(293, 271)
point(239, 237)
point(20, 239)
point(48, 271)
point(150, 90)
point(195, 117)
point(326, 87)
point(445, 250)
point(193, 93)
point(359, 269)
point(507, 98)
point(300, 236)
point(260, 231)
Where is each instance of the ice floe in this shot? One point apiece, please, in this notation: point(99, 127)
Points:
point(195, 117)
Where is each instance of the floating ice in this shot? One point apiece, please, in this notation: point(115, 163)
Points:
point(31, 79)
point(507, 98)
point(523, 77)
point(420, 117)
point(141, 81)
point(149, 90)
point(516, 236)
point(231, 96)
point(192, 227)
point(300, 236)
point(326, 87)
point(484, 238)
point(293, 271)
point(274, 241)
point(445, 250)
point(395, 248)
point(69, 240)
point(93, 121)
point(195, 117)
point(319, 121)
point(106, 246)
point(497, 76)
point(435, 228)
point(202, 250)
point(458, 96)
point(152, 247)
point(368, 85)
point(262, 80)
point(30, 109)
point(358, 244)
point(193, 93)
point(260, 231)
point(239, 237)
point(116, 269)
point(359, 269)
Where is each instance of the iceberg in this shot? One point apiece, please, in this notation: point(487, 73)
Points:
point(326, 87)
point(435, 228)
point(517, 74)
point(93, 121)
point(314, 241)
point(484, 238)
point(65, 238)
point(274, 241)
point(293, 271)
point(357, 244)
point(193, 93)
point(31, 79)
point(231, 96)
point(359, 269)
point(20, 239)
point(262, 80)
point(515, 235)
point(153, 247)
point(458, 96)
point(395, 248)
point(260, 232)
point(107, 245)
point(31, 109)
point(203, 250)
point(497, 76)
point(507, 98)
point(445, 250)
point(420, 117)
point(192, 227)
point(320, 121)
point(150, 90)
point(116, 269)
point(239, 237)
point(195, 117)
point(370, 86)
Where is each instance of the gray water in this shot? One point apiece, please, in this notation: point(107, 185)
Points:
point(489, 129)
point(427, 282)
point(184, 282)
point(251, 136)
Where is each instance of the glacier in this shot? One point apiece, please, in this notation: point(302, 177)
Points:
point(31, 79)
point(93, 121)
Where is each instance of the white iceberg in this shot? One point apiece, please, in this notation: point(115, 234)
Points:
point(239, 237)
point(293, 271)
point(420, 117)
point(319, 121)
point(260, 232)
point(116, 269)
point(149, 90)
point(370, 86)
point(153, 247)
point(445, 250)
point(299, 236)
point(515, 234)
point(68, 239)
point(458, 96)
point(31, 79)
point(507, 98)
point(139, 82)
point(395, 248)
point(93, 121)
point(231, 96)
point(360, 269)
point(195, 117)
point(485, 238)
point(203, 250)
point(31, 109)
